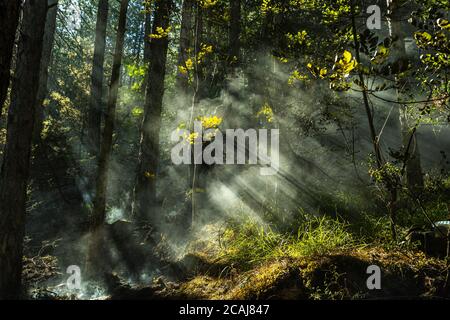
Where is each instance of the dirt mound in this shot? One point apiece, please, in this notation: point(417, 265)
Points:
point(342, 275)
point(405, 275)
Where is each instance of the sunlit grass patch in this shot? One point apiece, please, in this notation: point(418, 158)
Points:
point(250, 243)
point(319, 236)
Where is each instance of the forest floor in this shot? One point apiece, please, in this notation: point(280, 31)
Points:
point(338, 275)
point(208, 272)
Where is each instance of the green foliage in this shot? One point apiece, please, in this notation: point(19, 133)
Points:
point(298, 39)
point(387, 173)
point(371, 228)
point(137, 112)
point(432, 204)
point(137, 75)
point(432, 37)
point(65, 119)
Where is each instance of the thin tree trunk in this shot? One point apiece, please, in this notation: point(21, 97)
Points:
point(193, 169)
point(198, 41)
point(235, 32)
point(16, 162)
point(182, 84)
point(373, 135)
point(96, 244)
point(49, 37)
point(147, 31)
point(107, 136)
point(96, 99)
point(146, 61)
point(9, 19)
point(390, 188)
point(145, 188)
point(185, 42)
point(414, 177)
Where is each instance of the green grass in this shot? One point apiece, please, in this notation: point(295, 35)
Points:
point(248, 243)
point(280, 232)
point(319, 236)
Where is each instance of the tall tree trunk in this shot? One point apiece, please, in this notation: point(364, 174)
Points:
point(49, 37)
point(235, 32)
point(110, 116)
point(99, 210)
point(182, 84)
point(96, 99)
point(198, 84)
point(235, 48)
point(16, 162)
point(414, 177)
point(185, 42)
point(146, 59)
point(147, 32)
point(145, 188)
point(198, 41)
point(9, 19)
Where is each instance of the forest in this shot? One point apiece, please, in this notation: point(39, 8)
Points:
point(224, 149)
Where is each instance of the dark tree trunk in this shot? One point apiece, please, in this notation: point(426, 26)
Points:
point(9, 19)
point(96, 99)
point(185, 42)
point(235, 32)
point(110, 116)
point(49, 37)
point(16, 162)
point(182, 84)
point(97, 244)
point(145, 189)
point(198, 40)
point(147, 31)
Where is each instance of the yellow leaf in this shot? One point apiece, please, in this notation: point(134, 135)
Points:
point(347, 56)
point(443, 23)
point(149, 175)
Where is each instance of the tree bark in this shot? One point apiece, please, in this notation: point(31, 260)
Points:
point(148, 31)
point(110, 116)
point(235, 32)
point(182, 84)
point(185, 42)
point(145, 188)
point(96, 99)
point(198, 41)
point(96, 241)
point(16, 162)
point(49, 37)
point(9, 19)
